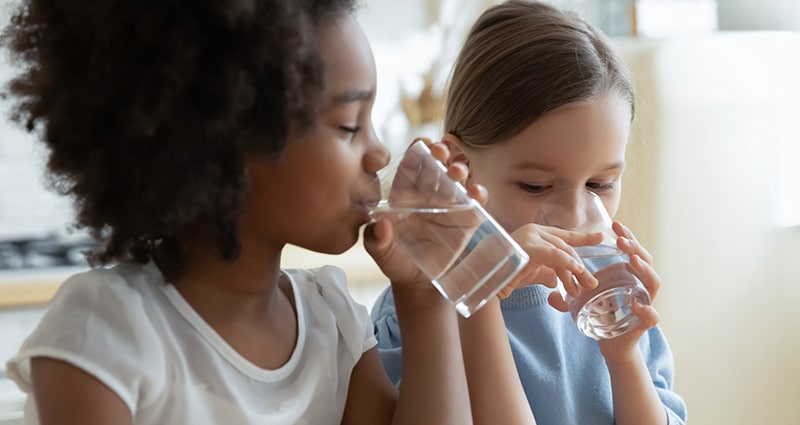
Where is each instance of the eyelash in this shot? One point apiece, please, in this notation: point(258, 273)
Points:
point(352, 130)
point(596, 187)
point(601, 187)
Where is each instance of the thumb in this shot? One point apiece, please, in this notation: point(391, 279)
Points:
point(557, 302)
point(523, 278)
point(377, 238)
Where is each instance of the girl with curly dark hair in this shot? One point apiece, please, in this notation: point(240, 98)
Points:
point(197, 139)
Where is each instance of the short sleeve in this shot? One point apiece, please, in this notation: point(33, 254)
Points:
point(352, 318)
point(97, 323)
point(387, 332)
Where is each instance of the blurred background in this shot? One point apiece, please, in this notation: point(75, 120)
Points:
point(711, 186)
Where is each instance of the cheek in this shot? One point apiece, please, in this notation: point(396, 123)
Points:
point(507, 204)
point(510, 211)
point(611, 203)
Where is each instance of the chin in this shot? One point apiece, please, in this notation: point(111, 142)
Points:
point(339, 244)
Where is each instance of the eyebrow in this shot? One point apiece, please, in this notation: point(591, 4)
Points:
point(528, 165)
point(350, 96)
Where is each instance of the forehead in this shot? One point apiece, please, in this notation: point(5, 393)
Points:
point(578, 133)
point(349, 62)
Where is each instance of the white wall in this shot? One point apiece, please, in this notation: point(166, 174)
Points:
point(715, 125)
point(26, 209)
point(759, 15)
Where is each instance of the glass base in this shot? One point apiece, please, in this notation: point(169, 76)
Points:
point(608, 314)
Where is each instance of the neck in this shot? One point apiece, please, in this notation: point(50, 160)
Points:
point(245, 301)
point(246, 286)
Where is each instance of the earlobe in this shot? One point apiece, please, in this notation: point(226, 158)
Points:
point(458, 152)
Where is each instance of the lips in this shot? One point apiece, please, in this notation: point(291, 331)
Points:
point(370, 203)
point(371, 194)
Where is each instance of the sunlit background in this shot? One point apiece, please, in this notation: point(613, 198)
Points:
point(711, 188)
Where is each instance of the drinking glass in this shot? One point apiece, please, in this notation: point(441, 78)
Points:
point(467, 256)
point(604, 312)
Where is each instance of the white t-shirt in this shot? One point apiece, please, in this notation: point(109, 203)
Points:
point(136, 334)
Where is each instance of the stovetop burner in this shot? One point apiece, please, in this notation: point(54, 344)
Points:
point(44, 252)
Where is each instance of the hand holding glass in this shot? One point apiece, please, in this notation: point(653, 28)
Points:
point(604, 312)
point(467, 256)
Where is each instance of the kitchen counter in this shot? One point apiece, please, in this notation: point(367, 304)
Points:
point(35, 287)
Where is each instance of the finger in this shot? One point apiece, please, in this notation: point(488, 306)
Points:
point(573, 238)
point(458, 172)
point(430, 175)
point(440, 151)
point(515, 282)
point(646, 274)
point(633, 247)
point(408, 169)
point(569, 283)
point(478, 193)
point(584, 278)
point(505, 292)
point(561, 244)
point(562, 259)
point(554, 257)
point(630, 243)
point(453, 191)
point(621, 230)
point(647, 314)
point(555, 300)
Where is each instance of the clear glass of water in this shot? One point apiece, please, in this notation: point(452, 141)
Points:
point(604, 312)
point(451, 238)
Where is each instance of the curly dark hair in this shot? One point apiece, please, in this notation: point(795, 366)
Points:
point(149, 107)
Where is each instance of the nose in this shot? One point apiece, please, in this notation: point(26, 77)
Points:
point(376, 156)
point(566, 210)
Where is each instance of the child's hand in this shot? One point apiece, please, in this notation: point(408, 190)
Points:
point(551, 256)
point(390, 257)
point(640, 265)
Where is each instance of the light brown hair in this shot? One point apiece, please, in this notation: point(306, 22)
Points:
point(521, 60)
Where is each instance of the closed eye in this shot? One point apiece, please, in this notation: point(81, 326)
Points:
point(350, 129)
point(601, 187)
point(533, 188)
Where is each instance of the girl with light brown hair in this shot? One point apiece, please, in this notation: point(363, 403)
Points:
point(539, 103)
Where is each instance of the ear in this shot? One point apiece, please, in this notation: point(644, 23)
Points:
point(458, 151)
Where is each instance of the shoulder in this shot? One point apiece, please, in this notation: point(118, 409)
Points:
point(324, 293)
point(99, 321)
point(114, 299)
point(330, 282)
point(122, 282)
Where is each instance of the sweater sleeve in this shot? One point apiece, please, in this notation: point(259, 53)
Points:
point(387, 331)
point(660, 363)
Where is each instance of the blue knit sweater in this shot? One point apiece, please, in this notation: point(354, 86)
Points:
point(563, 373)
